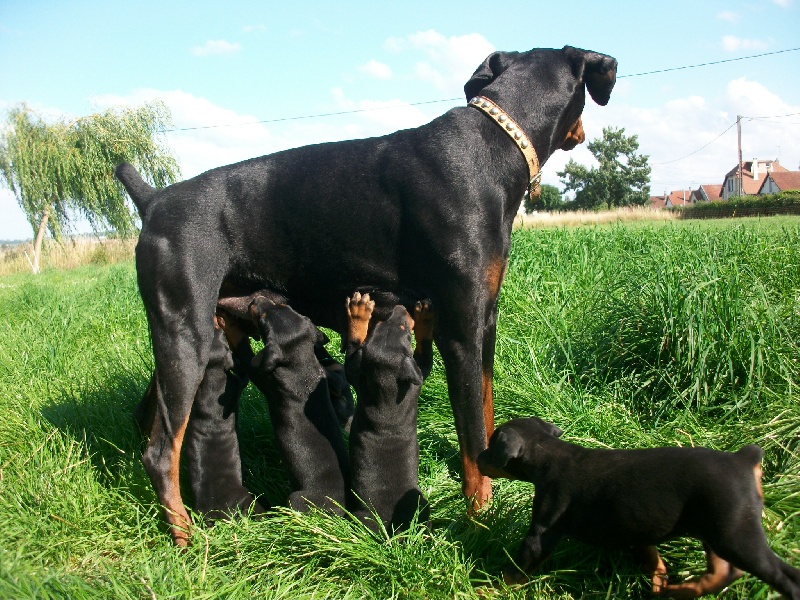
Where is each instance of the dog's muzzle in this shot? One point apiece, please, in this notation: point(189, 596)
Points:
point(514, 131)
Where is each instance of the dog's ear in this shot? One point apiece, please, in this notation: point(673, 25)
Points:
point(410, 371)
point(597, 71)
point(271, 356)
point(555, 430)
point(490, 69)
point(507, 444)
point(320, 338)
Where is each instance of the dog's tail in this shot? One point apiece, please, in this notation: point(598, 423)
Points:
point(138, 189)
point(751, 453)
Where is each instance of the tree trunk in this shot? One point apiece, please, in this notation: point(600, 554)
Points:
point(37, 244)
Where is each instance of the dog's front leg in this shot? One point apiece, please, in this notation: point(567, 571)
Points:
point(465, 383)
point(537, 545)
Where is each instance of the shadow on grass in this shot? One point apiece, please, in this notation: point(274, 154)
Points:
point(99, 416)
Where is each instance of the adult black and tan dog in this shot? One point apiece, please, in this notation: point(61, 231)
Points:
point(420, 213)
point(638, 498)
point(384, 452)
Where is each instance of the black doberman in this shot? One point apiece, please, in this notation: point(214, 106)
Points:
point(435, 205)
point(384, 452)
point(638, 498)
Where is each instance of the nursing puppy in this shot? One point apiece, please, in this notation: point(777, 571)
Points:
point(638, 498)
point(306, 428)
point(384, 453)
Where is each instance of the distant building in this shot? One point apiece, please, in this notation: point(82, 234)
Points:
point(674, 198)
point(708, 192)
point(753, 174)
point(778, 181)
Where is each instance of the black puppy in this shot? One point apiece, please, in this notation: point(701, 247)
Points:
point(639, 498)
point(305, 425)
point(384, 453)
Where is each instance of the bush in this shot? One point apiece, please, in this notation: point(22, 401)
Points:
point(782, 203)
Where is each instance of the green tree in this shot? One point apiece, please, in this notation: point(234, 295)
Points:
point(57, 170)
point(549, 199)
point(621, 179)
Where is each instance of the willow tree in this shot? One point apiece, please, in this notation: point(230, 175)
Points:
point(62, 169)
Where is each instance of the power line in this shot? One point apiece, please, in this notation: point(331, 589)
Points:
point(708, 64)
point(458, 99)
point(698, 150)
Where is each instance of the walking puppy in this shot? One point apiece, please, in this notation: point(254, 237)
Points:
point(289, 375)
point(384, 453)
point(435, 205)
point(639, 498)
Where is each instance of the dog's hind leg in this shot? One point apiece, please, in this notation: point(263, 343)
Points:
point(180, 306)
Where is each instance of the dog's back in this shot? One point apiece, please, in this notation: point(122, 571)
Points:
point(384, 453)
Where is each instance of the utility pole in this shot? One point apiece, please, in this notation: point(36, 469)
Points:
point(739, 135)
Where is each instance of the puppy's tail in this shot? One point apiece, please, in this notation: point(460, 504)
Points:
point(138, 189)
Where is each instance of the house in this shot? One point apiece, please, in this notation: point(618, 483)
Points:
point(707, 192)
point(779, 181)
point(753, 174)
point(674, 198)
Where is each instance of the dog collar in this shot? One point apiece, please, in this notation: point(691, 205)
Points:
point(515, 132)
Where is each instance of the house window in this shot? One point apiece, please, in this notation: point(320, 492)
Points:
point(730, 185)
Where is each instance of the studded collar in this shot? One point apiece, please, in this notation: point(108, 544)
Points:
point(514, 131)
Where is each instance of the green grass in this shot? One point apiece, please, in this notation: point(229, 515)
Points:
point(625, 336)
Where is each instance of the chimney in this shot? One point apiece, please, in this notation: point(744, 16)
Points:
point(755, 169)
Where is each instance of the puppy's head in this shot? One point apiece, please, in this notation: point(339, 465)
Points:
point(389, 347)
point(288, 336)
point(512, 446)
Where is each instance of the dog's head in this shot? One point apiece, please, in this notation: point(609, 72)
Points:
point(288, 337)
point(389, 347)
point(512, 446)
point(544, 90)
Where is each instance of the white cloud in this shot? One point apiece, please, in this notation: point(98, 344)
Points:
point(682, 125)
point(377, 70)
point(731, 43)
point(254, 28)
point(216, 47)
point(730, 17)
point(783, 3)
point(448, 61)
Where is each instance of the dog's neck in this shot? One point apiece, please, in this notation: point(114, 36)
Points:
point(517, 135)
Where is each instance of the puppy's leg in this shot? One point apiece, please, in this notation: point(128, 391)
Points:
point(212, 440)
point(720, 574)
point(652, 565)
point(537, 546)
point(424, 321)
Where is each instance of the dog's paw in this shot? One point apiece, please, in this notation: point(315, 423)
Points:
point(424, 319)
point(359, 312)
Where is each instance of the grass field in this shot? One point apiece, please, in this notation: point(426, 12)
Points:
point(623, 335)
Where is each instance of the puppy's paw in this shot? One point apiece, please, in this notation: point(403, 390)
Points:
point(424, 319)
point(359, 312)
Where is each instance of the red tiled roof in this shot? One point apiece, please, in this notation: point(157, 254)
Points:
point(752, 186)
point(658, 202)
point(712, 191)
point(785, 180)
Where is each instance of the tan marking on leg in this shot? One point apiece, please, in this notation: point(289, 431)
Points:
point(720, 573)
point(758, 472)
point(575, 136)
point(652, 565)
point(424, 320)
point(494, 276)
point(488, 403)
point(177, 516)
point(359, 313)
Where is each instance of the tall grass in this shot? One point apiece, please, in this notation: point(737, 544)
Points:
point(625, 336)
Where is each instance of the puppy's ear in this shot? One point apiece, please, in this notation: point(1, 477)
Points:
point(507, 444)
point(490, 69)
point(410, 371)
point(320, 338)
point(597, 71)
point(270, 357)
point(555, 430)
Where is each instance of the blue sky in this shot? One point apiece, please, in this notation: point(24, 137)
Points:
point(235, 64)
